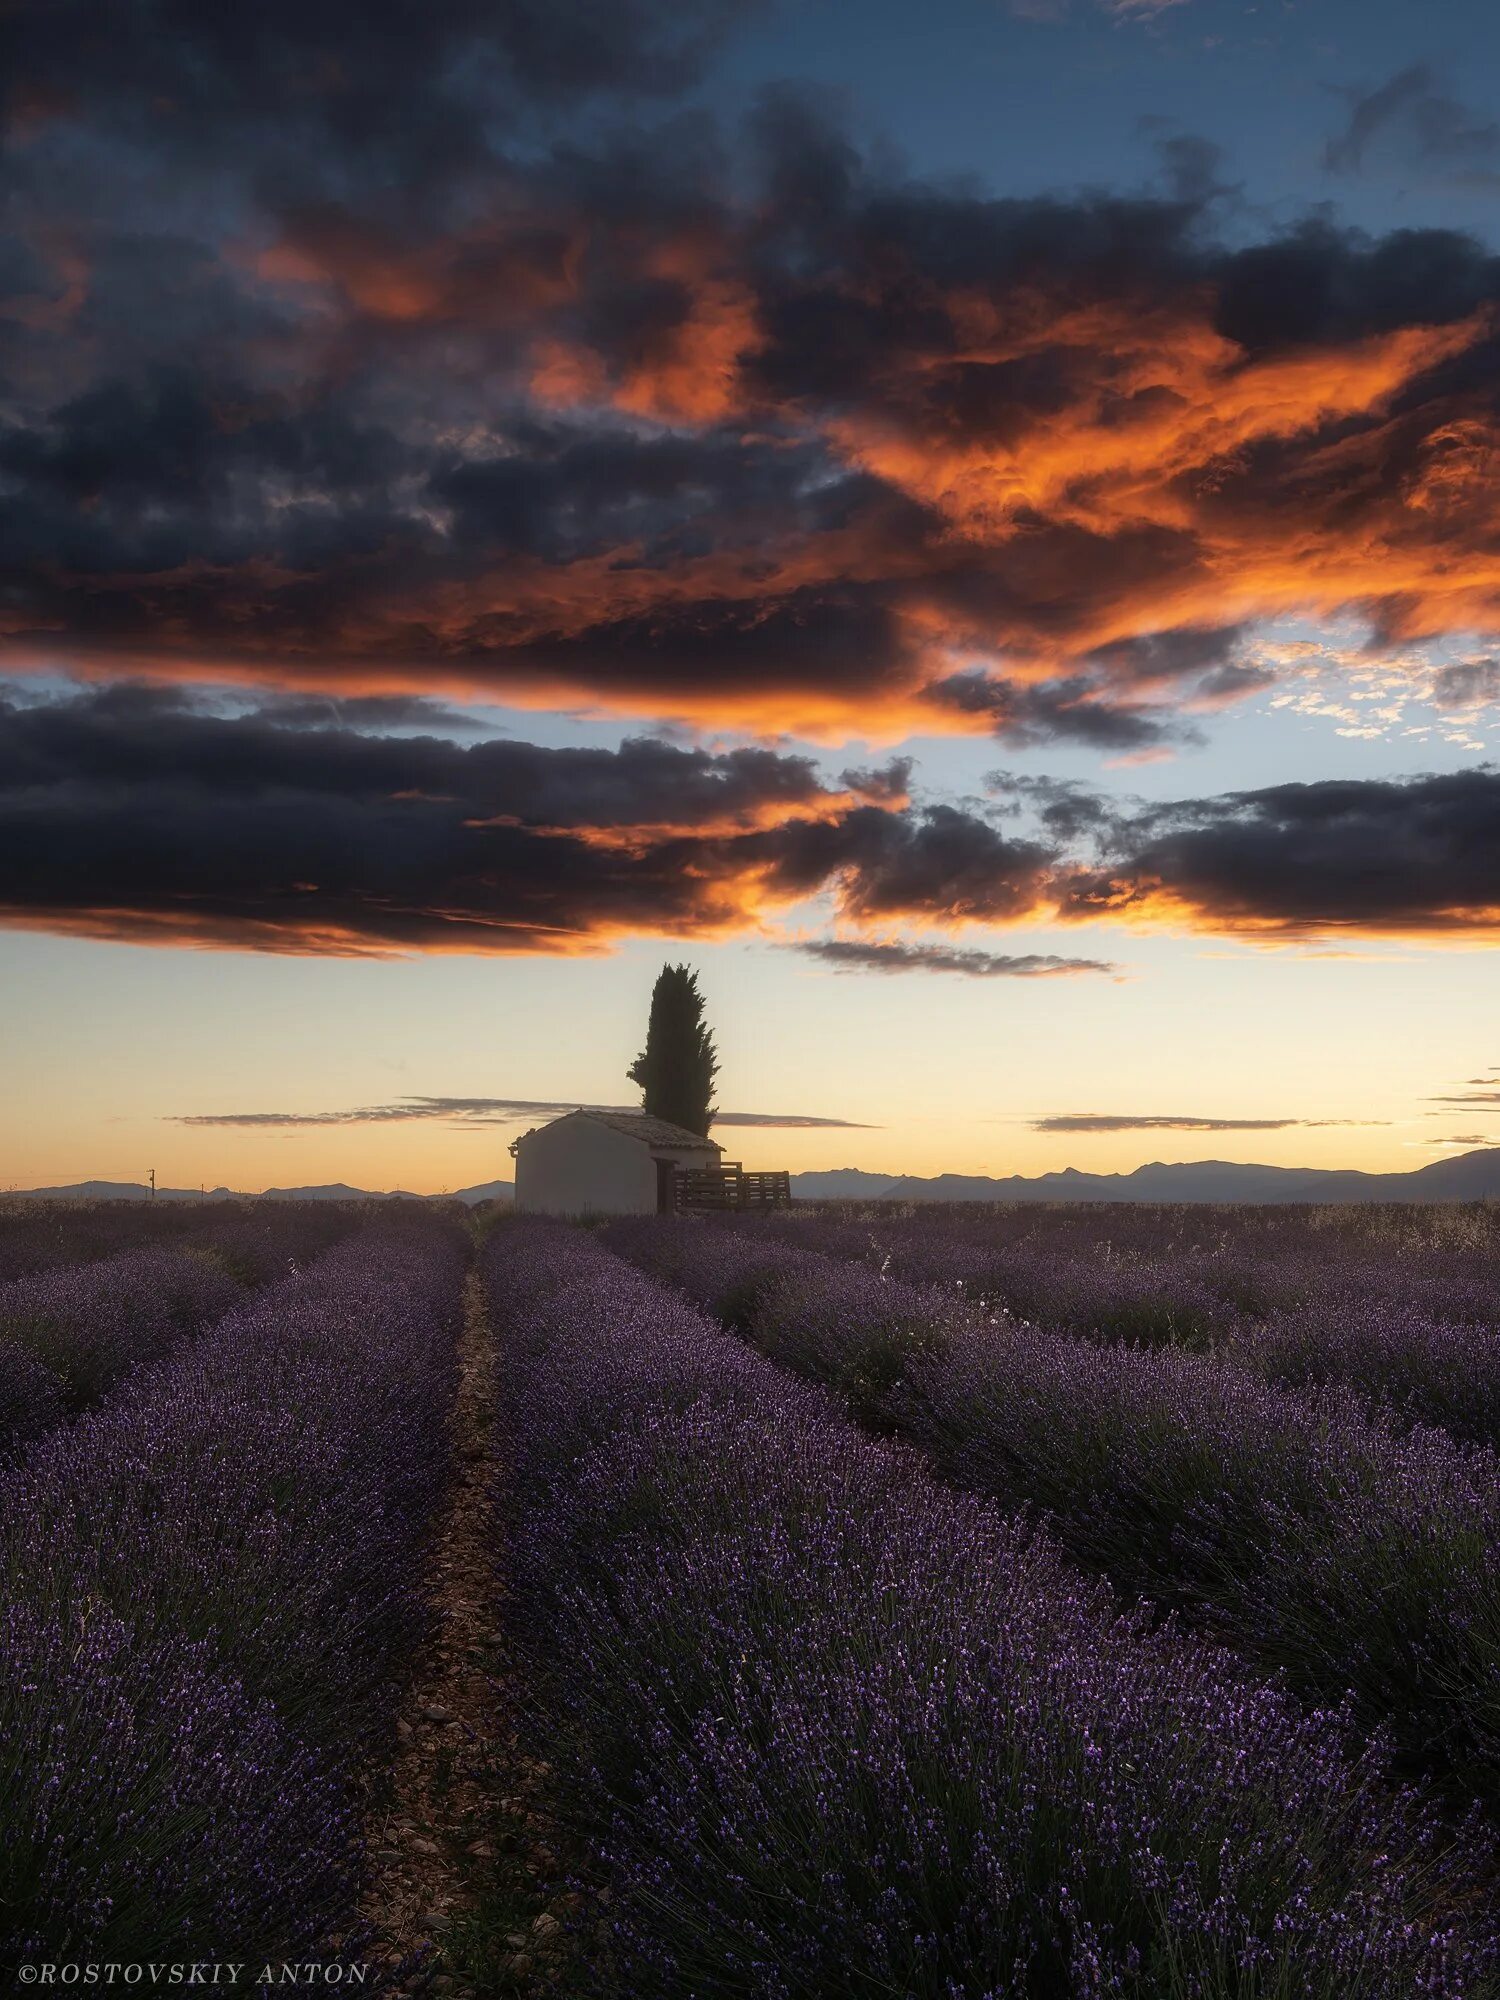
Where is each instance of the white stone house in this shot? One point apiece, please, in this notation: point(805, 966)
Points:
point(605, 1163)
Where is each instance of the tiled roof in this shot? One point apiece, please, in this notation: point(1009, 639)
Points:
point(659, 1133)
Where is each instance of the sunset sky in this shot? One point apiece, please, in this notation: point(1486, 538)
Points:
point(976, 525)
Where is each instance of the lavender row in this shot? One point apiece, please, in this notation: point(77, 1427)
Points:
point(1177, 1275)
point(69, 1334)
point(833, 1728)
point(1251, 1263)
point(40, 1235)
point(259, 1238)
point(1422, 1343)
point(68, 1337)
point(233, 1547)
point(1358, 1557)
point(1441, 1259)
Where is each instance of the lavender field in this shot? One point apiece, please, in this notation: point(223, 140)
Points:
point(750, 795)
point(926, 1602)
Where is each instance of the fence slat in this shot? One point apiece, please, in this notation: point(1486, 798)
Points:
point(729, 1186)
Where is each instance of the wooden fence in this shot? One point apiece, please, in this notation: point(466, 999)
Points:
point(729, 1186)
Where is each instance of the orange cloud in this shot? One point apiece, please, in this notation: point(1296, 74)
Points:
point(1153, 907)
point(681, 455)
point(499, 274)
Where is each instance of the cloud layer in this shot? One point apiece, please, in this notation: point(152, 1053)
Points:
point(478, 1111)
point(1416, 857)
point(139, 814)
point(130, 813)
point(888, 955)
point(1419, 123)
point(1161, 1121)
point(355, 352)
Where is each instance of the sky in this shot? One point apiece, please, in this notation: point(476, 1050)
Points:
point(974, 526)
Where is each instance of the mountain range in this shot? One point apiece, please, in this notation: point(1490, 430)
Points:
point(1464, 1177)
point(332, 1191)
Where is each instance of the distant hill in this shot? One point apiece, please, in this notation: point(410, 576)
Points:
point(485, 1191)
point(333, 1191)
point(1466, 1177)
point(122, 1191)
point(841, 1184)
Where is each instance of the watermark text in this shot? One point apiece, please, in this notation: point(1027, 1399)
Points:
point(149, 1973)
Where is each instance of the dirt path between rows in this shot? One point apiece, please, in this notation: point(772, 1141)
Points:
point(458, 1862)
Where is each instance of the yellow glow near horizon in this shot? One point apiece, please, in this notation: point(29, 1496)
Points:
point(947, 1073)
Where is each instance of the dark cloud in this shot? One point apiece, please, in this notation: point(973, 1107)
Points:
point(120, 737)
point(1423, 123)
point(1234, 681)
point(130, 812)
point(462, 1110)
point(809, 645)
point(856, 955)
point(790, 1120)
point(1318, 286)
point(1418, 856)
point(1197, 664)
point(361, 353)
point(142, 813)
point(1105, 1121)
point(1467, 684)
point(562, 494)
point(1070, 711)
point(1169, 656)
point(940, 863)
point(480, 1111)
point(1069, 812)
point(397, 712)
point(350, 73)
point(885, 784)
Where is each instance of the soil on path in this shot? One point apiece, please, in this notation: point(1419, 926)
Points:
point(458, 1890)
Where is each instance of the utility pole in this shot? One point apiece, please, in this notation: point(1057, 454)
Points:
point(152, 1178)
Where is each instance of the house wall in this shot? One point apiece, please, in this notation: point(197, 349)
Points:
point(575, 1167)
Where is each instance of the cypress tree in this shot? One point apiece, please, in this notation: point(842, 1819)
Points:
point(677, 1067)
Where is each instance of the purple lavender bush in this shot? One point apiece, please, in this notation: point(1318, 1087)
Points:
point(1360, 1557)
point(248, 1515)
point(846, 1326)
point(43, 1235)
point(30, 1398)
point(1182, 1277)
point(835, 1729)
point(261, 1241)
point(1422, 1369)
point(91, 1324)
point(257, 1237)
point(151, 1806)
point(1422, 1346)
point(1150, 1301)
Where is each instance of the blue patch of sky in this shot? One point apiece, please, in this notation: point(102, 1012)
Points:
point(1043, 95)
